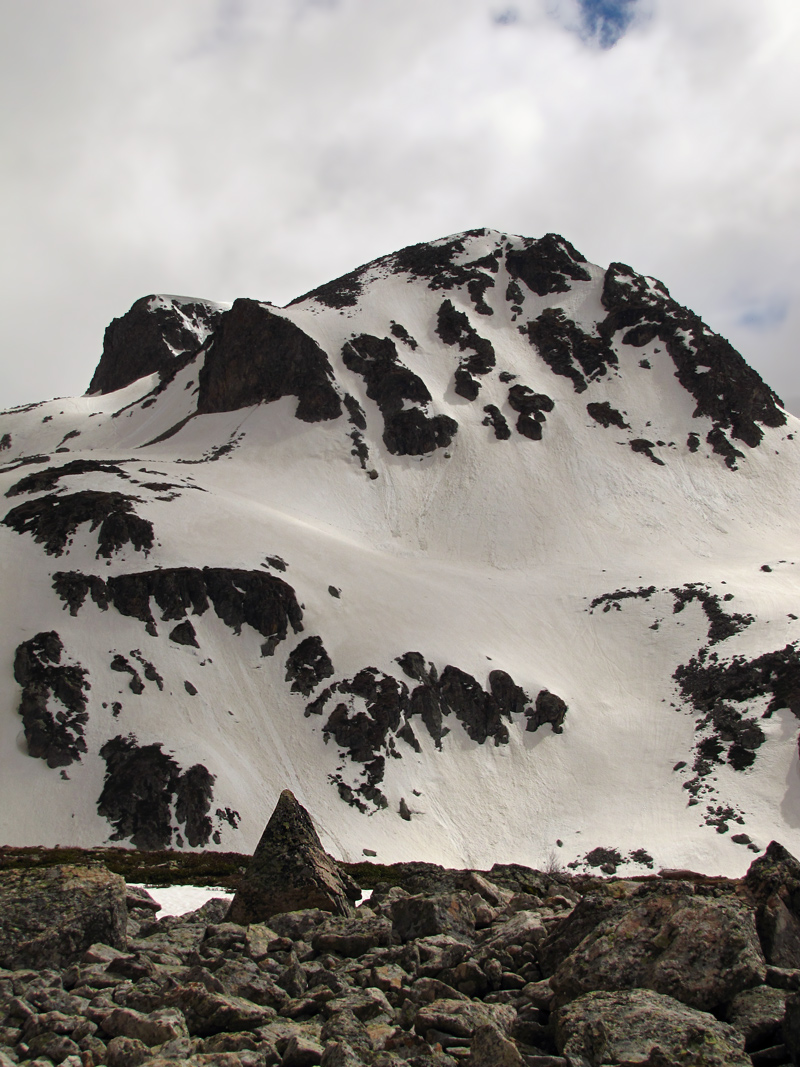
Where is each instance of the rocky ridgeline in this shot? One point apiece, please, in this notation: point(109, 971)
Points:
point(518, 968)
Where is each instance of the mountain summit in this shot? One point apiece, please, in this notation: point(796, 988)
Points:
point(486, 552)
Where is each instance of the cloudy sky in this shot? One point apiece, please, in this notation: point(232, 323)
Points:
point(225, 148)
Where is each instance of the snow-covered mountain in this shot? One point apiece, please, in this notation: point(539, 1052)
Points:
point(486, 552)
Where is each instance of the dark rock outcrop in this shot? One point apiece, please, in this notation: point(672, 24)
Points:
point(54, 734)
point(549, 708)
point(49, 917)
point(639, 1026)
point(497, 420)
point(437, 263)
point(73, 586)
point(568, 350)
point(705, 682)
point(606, 415)
point(479, 713)
point(290, 870)
point(265, 602)
point(454, 328)
point(547, 265)
point(531, 407)
point(308, 665)
point(258, 356)
point(725, 388)
point(367, 734)
point(407, 431)
point(184, 634)
point(722, 624)
point(53, 520)
point(158, 334)
point(145, 792)
point(48, 479)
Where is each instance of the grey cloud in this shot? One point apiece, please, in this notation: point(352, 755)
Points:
point(237, 148)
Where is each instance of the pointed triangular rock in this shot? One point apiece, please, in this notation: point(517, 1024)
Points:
point(774, 881)
point(290, 871)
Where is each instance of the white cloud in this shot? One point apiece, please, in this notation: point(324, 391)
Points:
point(242, 148)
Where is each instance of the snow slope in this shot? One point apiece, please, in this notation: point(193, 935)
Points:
point(629, 513)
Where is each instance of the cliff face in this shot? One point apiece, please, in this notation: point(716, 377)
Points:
point(478, 527)
point(154, 337)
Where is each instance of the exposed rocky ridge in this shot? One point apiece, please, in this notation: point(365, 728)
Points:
point(458, 968)
point(726, 389)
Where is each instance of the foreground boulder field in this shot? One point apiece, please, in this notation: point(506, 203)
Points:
point(487, 551)
point(510, 967)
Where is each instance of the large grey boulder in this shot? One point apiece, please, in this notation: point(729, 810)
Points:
point(425, 916)
point(758, 1016)
point(153, 1029)
point(700, 950)
point(290, 870)
point(488, 1048)
point(209, 1013)
point(352, 937)
point(568, 934)
point(638, 1026)
point(50, 916)
point(774, 881)
point(461, 1018)
point(791, 1026)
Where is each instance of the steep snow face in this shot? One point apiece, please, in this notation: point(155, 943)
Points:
point(486, 552)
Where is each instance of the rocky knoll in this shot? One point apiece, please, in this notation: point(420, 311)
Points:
point(505, 968)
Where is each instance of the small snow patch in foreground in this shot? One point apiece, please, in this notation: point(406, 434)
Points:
point(178, 899)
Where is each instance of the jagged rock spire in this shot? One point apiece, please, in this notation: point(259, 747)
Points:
point(290, 870)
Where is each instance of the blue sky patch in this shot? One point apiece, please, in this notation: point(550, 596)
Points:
point(764, 314)
point(507, 17)
point(606, 20)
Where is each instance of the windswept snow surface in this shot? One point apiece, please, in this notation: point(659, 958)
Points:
point(485, 553)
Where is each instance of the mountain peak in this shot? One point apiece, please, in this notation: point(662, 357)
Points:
point(479, 527)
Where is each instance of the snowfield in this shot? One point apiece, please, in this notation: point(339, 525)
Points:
point(488, 552)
